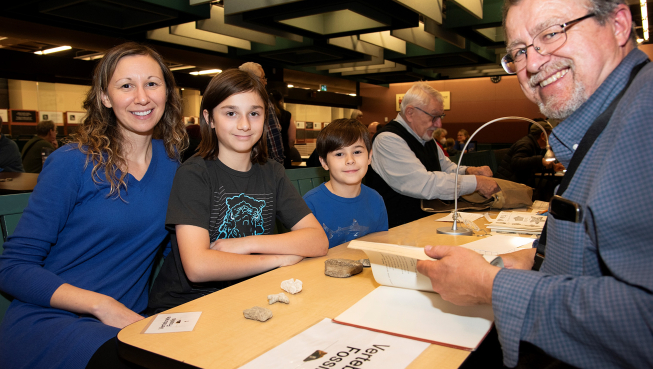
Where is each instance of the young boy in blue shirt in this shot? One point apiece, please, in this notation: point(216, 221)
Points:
point(346, 208)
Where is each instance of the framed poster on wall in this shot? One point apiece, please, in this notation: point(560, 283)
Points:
point(399, 97)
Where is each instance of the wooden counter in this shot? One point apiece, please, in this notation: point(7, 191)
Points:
point(223, 338)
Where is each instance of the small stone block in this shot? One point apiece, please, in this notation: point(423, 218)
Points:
point(279, 297)
point(258, 313)
point(342, 268)
point(292, 286)
point(365, 262)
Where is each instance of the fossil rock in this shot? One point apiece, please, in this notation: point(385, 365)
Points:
point(292, 286)
point(342, 268)
point(258, 313)
point(365, 262)
point(279, 297)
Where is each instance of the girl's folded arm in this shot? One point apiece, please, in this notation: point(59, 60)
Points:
point(203, 264)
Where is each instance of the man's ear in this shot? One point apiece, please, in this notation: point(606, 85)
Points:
point(206, 115)
point(105, 100)
point(622, 23)
point(324, 164)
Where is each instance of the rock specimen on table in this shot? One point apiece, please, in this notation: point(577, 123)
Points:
point(365, 262)
point(342, 268)
point(279, 297)
point(292, 286)
point(258, 313)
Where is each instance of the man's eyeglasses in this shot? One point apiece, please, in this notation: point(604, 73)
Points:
point(545, 43)
point(433, 117)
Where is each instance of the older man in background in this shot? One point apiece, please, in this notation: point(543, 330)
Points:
point(590, 303)
point(408, 166)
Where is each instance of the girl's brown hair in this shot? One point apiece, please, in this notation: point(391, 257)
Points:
point(228, 83)
point(99, 136)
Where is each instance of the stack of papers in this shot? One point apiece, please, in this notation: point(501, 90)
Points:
point(518, 222)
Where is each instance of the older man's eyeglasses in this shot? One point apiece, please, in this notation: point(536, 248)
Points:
point(545, 43)
point(433, 117)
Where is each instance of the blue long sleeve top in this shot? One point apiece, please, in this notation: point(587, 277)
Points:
point(591, 304)
point(71, 232)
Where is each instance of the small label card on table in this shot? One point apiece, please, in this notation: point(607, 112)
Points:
point(328, 345)
point(176, 322)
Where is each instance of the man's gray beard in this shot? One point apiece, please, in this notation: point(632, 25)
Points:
point(567, 107)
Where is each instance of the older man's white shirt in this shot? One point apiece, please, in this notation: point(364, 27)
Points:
point(400, 168)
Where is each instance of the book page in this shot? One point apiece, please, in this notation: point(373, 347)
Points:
point(421, 316)
point(394, 265)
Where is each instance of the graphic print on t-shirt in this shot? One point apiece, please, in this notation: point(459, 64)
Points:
point(243, 217)
point(354, 230)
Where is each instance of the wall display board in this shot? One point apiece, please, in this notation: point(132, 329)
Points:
point(300, 125)
point(55, 116)
point(4, 114)
point(23, 116)
point(74, 117)
point(447, 99)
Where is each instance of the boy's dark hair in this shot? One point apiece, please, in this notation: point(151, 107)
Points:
point(341, 133)
point(228, 83)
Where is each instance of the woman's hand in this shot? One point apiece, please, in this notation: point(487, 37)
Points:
point(111, 312)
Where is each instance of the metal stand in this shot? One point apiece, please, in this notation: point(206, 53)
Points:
point(455, 230)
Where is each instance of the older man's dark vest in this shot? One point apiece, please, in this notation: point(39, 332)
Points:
point(403, 209)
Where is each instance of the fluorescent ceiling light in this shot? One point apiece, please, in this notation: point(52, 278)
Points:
point(180, 67)
point(53, 50)
point(642, 4)
point(90, 56)
point(208, 71)
point(352, 94)
point(291, 86)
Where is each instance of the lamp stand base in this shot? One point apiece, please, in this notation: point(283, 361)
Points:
point(461, 231)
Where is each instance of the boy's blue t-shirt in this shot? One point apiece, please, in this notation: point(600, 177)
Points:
point(345, 219)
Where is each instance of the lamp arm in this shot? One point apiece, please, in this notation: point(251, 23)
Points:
point(460, 159)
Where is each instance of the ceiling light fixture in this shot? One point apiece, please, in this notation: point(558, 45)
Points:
point(180, 67)
point(53, 50)
point(208, 71)
point(291, 86)
point(642, 4)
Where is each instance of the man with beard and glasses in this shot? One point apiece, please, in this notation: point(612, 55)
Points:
point(590, 303)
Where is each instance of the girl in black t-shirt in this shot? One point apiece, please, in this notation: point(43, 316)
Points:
point(225, 200)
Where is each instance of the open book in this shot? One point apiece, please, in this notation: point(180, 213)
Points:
point(405, 305)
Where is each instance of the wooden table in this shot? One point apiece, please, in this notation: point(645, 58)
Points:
point(16, 182)
point(223, 338)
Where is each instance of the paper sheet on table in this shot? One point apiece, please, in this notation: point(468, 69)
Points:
point(469, 216)
point(497, 245)
point(336, 346)
point(177, 322)
point(422, 316)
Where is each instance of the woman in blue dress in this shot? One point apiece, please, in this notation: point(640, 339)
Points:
point(80, 259)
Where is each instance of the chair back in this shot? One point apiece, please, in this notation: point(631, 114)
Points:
point(480, 158)
point(11, 209)
point(306, 179)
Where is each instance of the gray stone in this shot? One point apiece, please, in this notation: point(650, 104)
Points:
point(258, 313)
point(342, 268)
point(365, 262)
